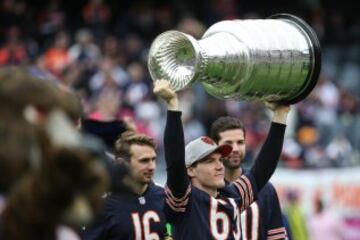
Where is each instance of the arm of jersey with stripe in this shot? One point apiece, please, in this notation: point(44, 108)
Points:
point(245, 187)
point(251, 182)
point(275, 226)
point(177, 188)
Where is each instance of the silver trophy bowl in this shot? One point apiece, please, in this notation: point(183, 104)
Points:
point(276, 59)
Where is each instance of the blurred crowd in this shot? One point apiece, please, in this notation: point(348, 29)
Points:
point(99, 49)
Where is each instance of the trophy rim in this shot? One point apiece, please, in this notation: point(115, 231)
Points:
point(313, 76)
point(196, 51)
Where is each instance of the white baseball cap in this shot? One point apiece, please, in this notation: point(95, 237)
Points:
point(201, 147)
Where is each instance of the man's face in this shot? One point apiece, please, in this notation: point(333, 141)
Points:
point(209, 173)
point(235, 138)
point(142, 163)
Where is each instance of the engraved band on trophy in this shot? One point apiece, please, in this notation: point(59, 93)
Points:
point(275, 59)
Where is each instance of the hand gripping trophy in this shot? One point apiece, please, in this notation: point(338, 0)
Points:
point(277, 59)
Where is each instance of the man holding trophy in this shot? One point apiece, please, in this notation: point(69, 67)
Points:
point(276, 61)
point(204, 208)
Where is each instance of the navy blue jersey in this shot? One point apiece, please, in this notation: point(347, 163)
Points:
point(263, 219)
point(217, 218)
point(131, 217)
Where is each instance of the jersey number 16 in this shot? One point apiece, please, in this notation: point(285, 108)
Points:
point(142, 225)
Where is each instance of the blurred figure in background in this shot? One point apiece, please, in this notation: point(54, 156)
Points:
point(52, 176)
point(57, 58)
point(296, 217)
point(96, 15)
point(110, 75)
point(14, 50)
point(325, 223)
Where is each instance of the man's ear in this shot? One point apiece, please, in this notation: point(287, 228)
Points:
point(191, 172)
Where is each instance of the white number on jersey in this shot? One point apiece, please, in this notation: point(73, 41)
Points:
point(220, 217)
point(142, 225)
point(254, 223)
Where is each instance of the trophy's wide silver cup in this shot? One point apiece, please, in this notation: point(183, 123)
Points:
point(275, 59)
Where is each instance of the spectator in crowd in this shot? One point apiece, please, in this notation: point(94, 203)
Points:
point(110, 75)
point(84, 52)
point(324, 223)
point(96, 15)
point(57, 58)
point(14, 50)
point(296, 217)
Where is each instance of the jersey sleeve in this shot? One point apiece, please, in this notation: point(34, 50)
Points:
point(275, 225)
point(268, 157)
point(245, 188)
point(177, 190)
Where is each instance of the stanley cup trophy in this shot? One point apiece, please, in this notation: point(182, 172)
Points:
point(275, 59)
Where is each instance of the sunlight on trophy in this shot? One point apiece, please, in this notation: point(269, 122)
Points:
point(275, 59)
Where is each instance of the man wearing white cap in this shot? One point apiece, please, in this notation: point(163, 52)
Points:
point(198, 203)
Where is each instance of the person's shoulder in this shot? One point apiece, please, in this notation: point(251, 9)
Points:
point(111, 201)
point(269, 186)
point(156, 188)
point(268, 194)
point(199, 194)
point(228, 191)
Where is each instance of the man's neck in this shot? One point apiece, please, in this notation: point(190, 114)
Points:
point(232, 174)
point(140, 188)
point(136, 187)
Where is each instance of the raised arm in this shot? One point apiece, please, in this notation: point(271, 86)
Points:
point(177, 179)
point(269, 155)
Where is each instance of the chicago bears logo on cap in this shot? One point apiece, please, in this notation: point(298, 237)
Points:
point(208, 140)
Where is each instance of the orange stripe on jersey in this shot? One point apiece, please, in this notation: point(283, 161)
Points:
point(249, 187)
point(177, 204)
point(277, 237)
point(241, 188)
point(168, 191)
point(276, 230)
point(244, 186)
point(277, 233)
point(175, 209)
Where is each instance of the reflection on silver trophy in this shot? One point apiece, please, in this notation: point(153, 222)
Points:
point(275, 59)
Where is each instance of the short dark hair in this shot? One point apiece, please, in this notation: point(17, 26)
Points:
point(127, 139)
point(223, 124)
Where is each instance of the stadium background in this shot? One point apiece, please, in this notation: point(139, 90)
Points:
point(100, 48)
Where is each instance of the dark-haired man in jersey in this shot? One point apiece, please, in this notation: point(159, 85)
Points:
point(135, 212)
point(263, 219)
point(198, 203)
